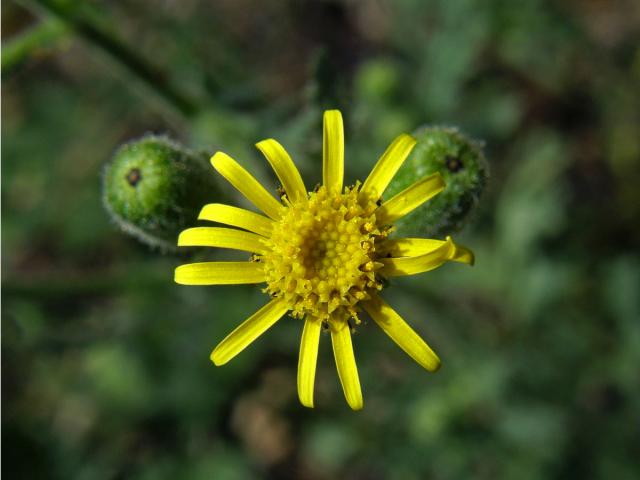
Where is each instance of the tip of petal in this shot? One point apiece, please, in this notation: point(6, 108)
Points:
point(263, 142)
point(408, 138)
point(216, 358)
point(203, 210)
point(433, 364)
point(306, 402)
point(462, 254)
point(356, 404)
point(181, 238)
point(436, 366)
point(177, 277)
point(470, 258)
point(217, 158)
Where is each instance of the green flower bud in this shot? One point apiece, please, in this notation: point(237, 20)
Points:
point(153, 188)
point(464, 169)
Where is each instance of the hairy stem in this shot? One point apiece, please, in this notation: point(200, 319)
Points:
point(43, 36)
point(122, 54)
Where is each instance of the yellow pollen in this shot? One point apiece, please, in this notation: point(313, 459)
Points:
point(322, 254)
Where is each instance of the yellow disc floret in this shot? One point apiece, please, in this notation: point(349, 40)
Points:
point(322, 255)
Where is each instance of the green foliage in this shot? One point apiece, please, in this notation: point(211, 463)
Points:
point(105, 361)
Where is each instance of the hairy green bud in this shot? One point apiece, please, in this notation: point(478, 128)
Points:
point(153, 188)
point(464, 169)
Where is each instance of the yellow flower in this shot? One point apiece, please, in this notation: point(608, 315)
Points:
point(324, 254)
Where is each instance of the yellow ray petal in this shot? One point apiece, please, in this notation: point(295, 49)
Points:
point(237, 217)
point(246, 184)
point(222, 238)
point(219, 273)
point(307, 360)
point(386, 168)
point(248, 331)
point(333, 151)
point(346, 364)
point(285, 169)
point(463, 255)
point(410, 198)
point(401, 333)
point(428, 261)
point(421, 263)
point(413, 247)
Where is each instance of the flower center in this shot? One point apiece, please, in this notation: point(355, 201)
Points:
point(322, 256)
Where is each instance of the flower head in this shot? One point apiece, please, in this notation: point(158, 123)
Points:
point(324, 255)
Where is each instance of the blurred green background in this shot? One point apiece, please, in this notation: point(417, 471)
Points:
point(105, 361)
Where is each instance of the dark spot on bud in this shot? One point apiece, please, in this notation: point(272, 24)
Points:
point(325, 326)
point(454, 164)
point(134, 176)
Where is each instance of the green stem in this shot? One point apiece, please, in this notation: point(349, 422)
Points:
point(42, 36)
point(132, 62)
